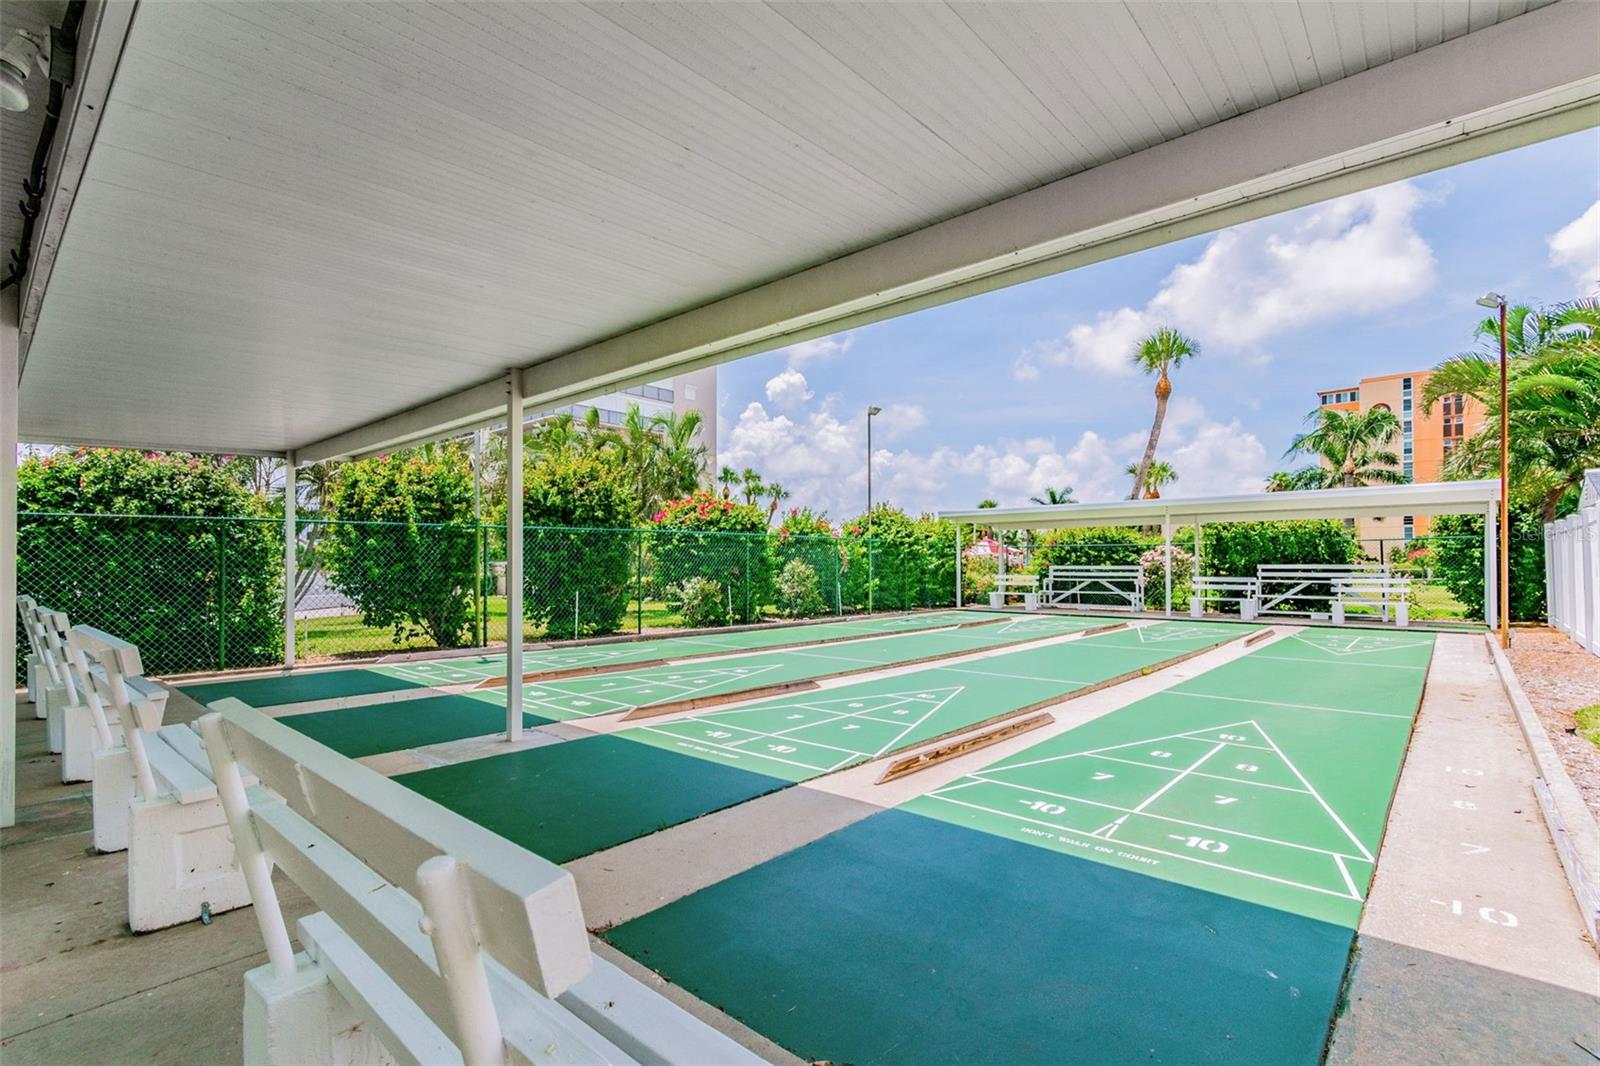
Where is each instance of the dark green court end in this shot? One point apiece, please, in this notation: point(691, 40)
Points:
point(567, 800)
point(902, 939)
point(299, 688)
point(396, 726)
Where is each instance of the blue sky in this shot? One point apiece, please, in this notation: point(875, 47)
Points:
point(1003, 394)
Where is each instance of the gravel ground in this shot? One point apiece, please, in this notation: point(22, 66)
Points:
point(1559, 678)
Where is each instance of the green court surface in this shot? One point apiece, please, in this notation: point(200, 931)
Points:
point(381, 727)
point(616, 692)
point(399, 724)
point(330, 684)
point(1176, 881)
point(1267, 779)
point(582, 796)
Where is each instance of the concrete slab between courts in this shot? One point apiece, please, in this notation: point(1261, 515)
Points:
point(1471, 947)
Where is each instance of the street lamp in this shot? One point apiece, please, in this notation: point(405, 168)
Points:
point(1495, 300)
point(870, 412)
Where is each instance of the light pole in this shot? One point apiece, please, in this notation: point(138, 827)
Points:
point(1495, 300)
point(870, 412)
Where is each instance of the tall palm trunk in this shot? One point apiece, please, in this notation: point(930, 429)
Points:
point(1163, 394)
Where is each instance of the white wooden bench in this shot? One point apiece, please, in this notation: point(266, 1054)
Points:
point(1024, 586)
point(88, 666)
point(1245, 591)
point(1384, 593)
point(37, 671)
point(46, 631)
point(152, 795)
point(438, 941)
point(1112, 587)
point(1284, 583)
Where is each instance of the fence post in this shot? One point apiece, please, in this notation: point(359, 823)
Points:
point(638, 581)
point(747, 579)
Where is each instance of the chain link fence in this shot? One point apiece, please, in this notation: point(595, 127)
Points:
point(206, 594)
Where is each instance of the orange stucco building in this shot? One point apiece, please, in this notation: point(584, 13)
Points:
point(1426, 437)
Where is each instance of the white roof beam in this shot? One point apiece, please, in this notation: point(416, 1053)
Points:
point(1457, 101)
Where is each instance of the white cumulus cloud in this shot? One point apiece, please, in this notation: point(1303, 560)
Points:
point(818, 348)
point(1356, 255)
point(788, 388)
point(1575, 248)
point(820, 457)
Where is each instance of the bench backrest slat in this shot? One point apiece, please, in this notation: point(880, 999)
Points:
point(526, 908)
point(378, 915)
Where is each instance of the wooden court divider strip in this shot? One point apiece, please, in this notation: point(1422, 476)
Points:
point(694, 703)
point(945, 752)
point(611, 668)
point(1256, 638)
point(1052, 701)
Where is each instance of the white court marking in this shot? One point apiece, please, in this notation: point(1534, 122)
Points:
point(1220, 740)
point(929, 701)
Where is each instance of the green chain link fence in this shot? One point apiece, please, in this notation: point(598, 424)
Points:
point(203, 594)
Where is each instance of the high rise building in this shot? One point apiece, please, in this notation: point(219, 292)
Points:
point(695, 391)
point(1425, 439)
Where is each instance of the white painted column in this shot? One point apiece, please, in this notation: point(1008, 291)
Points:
point(291, 574)
point(1166, 564)
point(1491, 601)
point(958, 564)
point(1195, 567)
point(514, 556)
point(10, 382)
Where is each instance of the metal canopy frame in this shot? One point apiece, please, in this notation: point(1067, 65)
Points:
point(1368, 501)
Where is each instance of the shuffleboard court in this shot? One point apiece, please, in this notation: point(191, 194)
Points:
point(354, 682)
point(1179, 880)
point(370, 729)
point(568, 800)
point(376, 728)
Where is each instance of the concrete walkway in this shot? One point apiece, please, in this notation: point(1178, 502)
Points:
point(1471, 948)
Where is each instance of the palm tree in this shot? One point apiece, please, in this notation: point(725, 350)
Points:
point(1353, 445)
point(1553, 401)
point(750, 480)
point(776, 494)
point(1307, 477)
point(728, 478)
point(1160, 473)
point(1164, 350)
point(682, 460)
point(1053, 497)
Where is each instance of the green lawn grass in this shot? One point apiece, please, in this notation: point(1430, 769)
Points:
point(1588, 719)
point(346, 635)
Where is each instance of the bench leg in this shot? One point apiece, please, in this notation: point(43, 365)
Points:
point(303, 1018)
point(36, 680)
point(1194, 605)
point(77, 743)
point(179, 860)
point(1402, 614)
point(114, 789)
point(997, 600)
point(54, 704)
point(1338, 613)
point(1030, 601)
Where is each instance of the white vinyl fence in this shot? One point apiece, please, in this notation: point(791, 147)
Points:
point(1572, 568)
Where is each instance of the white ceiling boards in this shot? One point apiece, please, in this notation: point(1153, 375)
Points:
point(299, 219)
